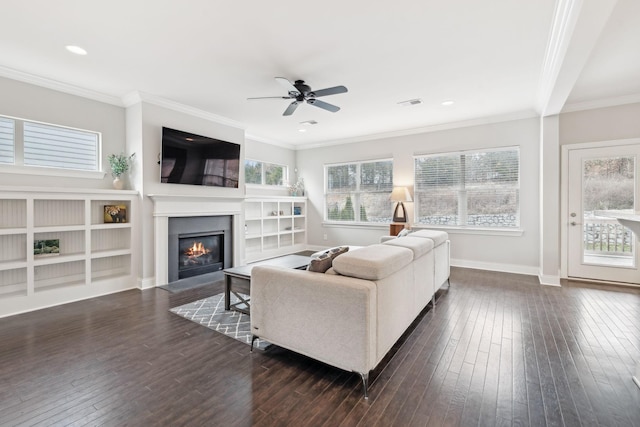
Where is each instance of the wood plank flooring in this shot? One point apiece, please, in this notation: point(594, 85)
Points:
point(498, 349)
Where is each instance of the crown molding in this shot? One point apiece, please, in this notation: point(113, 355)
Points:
point(520, 115)
point(602, 103)
point(59, 86)
point(269, 141)
point(137, 97)
point(564, 21)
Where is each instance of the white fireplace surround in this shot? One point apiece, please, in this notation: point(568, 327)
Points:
point(172, 206)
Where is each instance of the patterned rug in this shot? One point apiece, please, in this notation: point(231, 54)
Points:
point(210, 312)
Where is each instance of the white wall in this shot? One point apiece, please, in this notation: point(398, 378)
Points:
point(26, 101)
point(601, 124)
point(518, 253)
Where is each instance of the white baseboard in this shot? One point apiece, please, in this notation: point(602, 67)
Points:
point(491, 266)
point(148, 283)
point(548, 280)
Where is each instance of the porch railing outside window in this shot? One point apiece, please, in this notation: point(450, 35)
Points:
point(359, 191)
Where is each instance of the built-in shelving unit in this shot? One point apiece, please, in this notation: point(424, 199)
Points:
point(274, 226)
point(93, 255)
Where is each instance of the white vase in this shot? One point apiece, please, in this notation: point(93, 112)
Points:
point(118, 184)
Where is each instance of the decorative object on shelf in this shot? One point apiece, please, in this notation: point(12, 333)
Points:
point(44, 248)
point(115, 213)
point(400, 195)
point(297, 189)
point(120, 164)
point(297, 210)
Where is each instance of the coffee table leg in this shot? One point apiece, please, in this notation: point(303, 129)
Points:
point(227, 292)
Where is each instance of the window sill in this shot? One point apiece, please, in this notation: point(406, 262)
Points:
point(516, 232)
point(43, 171)
point(469, 230)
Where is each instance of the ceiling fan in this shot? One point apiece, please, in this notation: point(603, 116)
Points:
point(300, 92)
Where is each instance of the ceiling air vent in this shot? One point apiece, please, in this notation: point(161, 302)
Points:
point(409, 102)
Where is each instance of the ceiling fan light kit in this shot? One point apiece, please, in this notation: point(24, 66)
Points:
point(301, 92)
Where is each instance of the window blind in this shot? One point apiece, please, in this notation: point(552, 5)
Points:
point(479, 188)
point(7, 138)
point(60, 147)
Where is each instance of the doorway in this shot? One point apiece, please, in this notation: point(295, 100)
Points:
point(601, 179)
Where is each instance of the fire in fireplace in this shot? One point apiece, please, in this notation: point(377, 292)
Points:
point(200, 254)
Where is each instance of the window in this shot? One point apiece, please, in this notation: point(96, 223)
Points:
point(261, 173)
point(359, 192)
point(473, 189)
point(27, 143)
point(7, 136)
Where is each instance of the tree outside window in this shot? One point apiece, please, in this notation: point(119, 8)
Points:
point(261, 173)
point(359, 192)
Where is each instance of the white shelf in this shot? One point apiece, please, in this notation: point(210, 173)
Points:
point(90, 250)
point(9, 231)
point(267, 219)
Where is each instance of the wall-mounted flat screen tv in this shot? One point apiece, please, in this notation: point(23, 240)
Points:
point(198, 160)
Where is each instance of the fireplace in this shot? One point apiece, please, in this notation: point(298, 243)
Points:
point(200, 254)
point(199, 248)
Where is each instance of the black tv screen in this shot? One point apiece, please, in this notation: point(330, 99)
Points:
point(198, 160)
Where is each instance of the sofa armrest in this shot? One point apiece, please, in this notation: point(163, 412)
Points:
point(330, 318)
point(387, 238)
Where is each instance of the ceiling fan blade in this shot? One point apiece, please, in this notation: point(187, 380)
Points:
point(291, 108)
point(328, 91)
point(287, 85)
point(271, 97)
point(323, 105)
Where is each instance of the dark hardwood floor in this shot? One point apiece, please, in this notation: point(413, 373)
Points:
point(497, 350)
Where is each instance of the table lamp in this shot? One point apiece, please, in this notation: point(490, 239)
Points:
point(400, 195)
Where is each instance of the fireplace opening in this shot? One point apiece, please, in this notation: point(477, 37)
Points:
point(200, 253)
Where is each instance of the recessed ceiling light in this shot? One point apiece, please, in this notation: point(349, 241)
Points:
point(76, 49)
point(302, 130)
point(448, 102)
point(409, 102)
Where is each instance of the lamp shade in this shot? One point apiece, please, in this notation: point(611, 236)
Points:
point(400, 194)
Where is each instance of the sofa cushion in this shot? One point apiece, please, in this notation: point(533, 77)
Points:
point(419, 246)
point(320, 264)
point(373, 262)
point(333, 250)
point(438, 237)
point(404, 232)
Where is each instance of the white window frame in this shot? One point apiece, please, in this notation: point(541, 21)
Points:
point(357, 192)
point(18, 166)
point(263, 183)
point(465, 228)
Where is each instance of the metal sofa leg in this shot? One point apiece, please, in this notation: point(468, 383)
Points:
point(253, 338)
point(365, 383)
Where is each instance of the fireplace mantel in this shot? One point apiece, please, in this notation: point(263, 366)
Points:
point(167, 206)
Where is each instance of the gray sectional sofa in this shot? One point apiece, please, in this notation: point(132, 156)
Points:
point(351, 316)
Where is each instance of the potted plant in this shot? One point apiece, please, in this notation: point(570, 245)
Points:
point(120, 164)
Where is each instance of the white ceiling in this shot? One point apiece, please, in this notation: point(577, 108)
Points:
point(487, 56)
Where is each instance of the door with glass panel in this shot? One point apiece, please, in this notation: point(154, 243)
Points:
point(601, 182)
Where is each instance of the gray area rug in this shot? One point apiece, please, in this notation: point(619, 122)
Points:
point(210, 312)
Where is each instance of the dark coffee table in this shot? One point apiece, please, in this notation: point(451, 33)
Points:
point(237, 280)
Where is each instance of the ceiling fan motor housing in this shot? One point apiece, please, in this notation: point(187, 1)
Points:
point(302, 88)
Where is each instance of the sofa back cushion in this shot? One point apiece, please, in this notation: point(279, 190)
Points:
point(438, 237)
point(373, 262)
point(419, 246)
